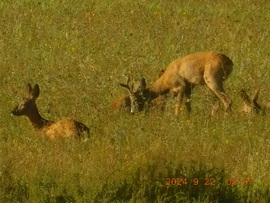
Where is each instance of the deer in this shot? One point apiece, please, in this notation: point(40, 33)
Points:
point(66, 127)
point(134, 100)
point(182, 75)
point(251, 105)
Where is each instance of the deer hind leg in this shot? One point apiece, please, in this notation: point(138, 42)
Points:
point(217, 87)
point(179, 92)
point(188, 97)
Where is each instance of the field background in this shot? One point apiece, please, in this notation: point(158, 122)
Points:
point(78, 51)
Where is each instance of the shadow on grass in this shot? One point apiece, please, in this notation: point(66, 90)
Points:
point(180, 184)
point(147, 183)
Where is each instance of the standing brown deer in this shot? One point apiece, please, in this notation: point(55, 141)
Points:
point(66, 127)
point(182, 75)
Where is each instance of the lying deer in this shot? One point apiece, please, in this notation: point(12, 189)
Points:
point(135, 101)
point(66, 127)
point(182, 75)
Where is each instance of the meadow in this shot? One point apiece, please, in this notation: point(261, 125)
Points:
point(79, 51)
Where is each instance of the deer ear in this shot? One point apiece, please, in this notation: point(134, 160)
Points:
point(28, 89)
point(143, 84)
point(35, 91)
point(256, 95)
point(245, 97)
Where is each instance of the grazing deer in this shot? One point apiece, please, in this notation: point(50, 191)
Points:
point(134, 101)
point(250, 103)
point(182, 75)
point(66, 127)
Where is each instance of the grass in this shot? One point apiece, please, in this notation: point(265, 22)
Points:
point(78, 52)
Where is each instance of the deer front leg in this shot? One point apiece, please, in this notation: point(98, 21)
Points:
point(215, 107)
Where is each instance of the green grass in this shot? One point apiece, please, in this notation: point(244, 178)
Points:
point(78, 52)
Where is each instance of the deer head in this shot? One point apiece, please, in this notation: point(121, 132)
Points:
point(136, 95)
point(28, 105)
point(250, 103)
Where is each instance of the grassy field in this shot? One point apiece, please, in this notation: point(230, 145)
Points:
point(78, 52)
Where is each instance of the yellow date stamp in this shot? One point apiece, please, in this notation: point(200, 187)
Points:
point(208, 181)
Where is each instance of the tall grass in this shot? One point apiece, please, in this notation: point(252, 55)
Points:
point(78, 52)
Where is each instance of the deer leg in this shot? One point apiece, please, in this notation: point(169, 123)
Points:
point(225, 99)
point(179, 98)
point(216, 106)
point(188, 97)
point(217, 87)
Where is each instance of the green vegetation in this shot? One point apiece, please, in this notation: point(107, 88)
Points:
point(78, 51)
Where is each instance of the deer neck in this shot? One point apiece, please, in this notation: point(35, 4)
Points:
point(36, 119)
point(157, 88)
